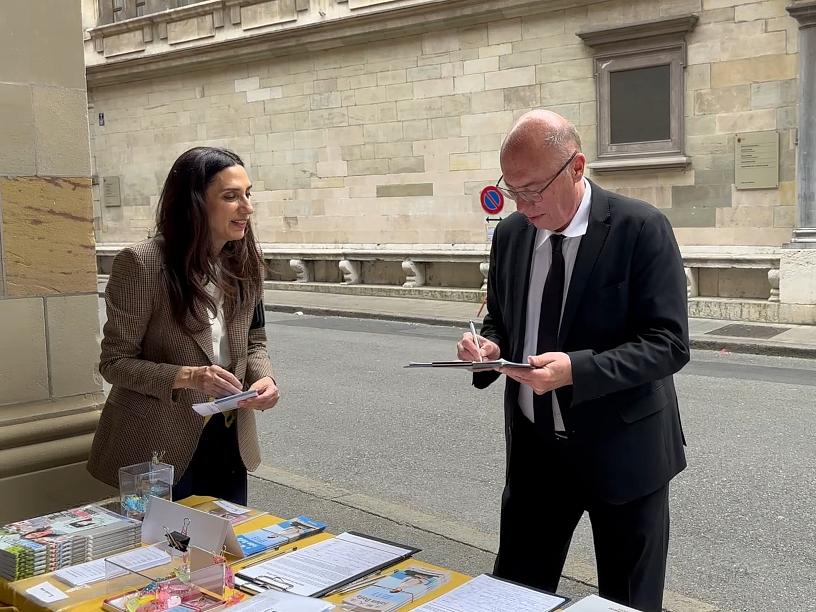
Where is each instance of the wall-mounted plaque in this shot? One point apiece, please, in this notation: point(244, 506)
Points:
point(111, 195)
point(756, 163)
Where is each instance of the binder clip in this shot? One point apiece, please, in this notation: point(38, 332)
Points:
point(178, 540)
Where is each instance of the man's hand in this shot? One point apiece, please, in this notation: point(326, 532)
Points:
point(268, 395)
point(551, 371)
point(466, 349)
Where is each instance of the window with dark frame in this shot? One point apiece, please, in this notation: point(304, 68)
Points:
point(640, 93)
point(119, 10)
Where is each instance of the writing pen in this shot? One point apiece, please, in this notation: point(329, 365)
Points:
point(476, 339)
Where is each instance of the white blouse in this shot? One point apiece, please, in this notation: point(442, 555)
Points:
point(221, 349)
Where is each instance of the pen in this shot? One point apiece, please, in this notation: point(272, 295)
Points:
point(476, 339)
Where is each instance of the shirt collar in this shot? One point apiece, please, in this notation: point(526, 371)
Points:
point(578, 225)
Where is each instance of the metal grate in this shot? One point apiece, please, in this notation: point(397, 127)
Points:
point(741, 330)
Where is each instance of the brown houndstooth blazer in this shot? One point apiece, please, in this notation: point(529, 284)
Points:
point(142, 350)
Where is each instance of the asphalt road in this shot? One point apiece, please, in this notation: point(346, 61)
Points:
point(416, 442)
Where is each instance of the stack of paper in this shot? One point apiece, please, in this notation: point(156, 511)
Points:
point(593, 603)
point(94, 571)
point(47, 543)
point(487, 593)
point(282, 602)
point(234, 513)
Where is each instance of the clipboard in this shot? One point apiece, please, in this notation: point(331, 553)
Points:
point(207, 531)
point(564, 601)
point(260, 586)
point(452, 600)
point(410, 551)
point(472, 366)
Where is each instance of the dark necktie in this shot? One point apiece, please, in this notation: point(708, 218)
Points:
point(548, 322)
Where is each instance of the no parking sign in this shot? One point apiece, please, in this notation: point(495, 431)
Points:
point(492, 200)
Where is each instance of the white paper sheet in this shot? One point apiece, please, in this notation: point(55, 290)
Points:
point(593, 603)
point(487, 594)
point(46, 593)
point(224, 404)
point(230, 507)
point(277, 601)
point(311, 570)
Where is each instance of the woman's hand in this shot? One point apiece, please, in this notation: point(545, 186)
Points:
point(213, 380)
point(268, 395)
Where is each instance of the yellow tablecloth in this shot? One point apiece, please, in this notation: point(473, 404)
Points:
point(89, 598)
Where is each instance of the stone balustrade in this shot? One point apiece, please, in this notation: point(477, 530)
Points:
point(698, 261)
point(716, 272)
point(413, 259)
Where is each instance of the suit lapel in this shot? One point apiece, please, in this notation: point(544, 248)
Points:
point(202, 337)
point(591, 245)
point(521, 285)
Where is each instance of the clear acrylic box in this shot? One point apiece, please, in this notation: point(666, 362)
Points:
point(138, 482)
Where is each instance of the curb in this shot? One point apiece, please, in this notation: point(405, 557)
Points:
point(699, 342)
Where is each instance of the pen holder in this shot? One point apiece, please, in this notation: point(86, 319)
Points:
point(138, 482)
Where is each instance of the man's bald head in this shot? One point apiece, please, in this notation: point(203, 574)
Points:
point(541, 131)
point(542, 154)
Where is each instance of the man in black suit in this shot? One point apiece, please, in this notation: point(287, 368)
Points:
point(588, 287)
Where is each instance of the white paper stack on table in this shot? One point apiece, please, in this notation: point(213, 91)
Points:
point(487, 593)
point(593, 603)
point(47, 543)
point(136, 560)
point(280, 601)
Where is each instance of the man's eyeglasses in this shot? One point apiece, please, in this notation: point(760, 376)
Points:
point(532, 196)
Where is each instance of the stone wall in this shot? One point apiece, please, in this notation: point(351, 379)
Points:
point(390, 141)
point(49, 329)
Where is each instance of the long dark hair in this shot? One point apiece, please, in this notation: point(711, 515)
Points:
point(184, 231)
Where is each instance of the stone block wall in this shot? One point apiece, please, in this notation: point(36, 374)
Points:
point(49, 329)
point(391, 141)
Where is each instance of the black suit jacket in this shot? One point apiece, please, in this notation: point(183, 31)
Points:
point(625, 328)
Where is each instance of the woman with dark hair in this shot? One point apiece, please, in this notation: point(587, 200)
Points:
point(185, 324)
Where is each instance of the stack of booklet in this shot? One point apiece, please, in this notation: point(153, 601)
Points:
point(47, 543)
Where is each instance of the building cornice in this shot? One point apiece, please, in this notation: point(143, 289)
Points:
point(804, 13)
point(677, 26)
point(381, 24)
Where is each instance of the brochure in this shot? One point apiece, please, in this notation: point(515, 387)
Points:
point(391, 592)
point(274, 536)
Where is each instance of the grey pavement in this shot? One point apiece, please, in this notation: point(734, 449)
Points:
point(363, 444)
point(712, 334)
point(364, 439)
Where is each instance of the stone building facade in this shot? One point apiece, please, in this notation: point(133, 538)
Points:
point(50, 393)
point(369, 127)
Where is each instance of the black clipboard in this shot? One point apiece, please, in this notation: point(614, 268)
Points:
point(530, 588)
point(410, 551)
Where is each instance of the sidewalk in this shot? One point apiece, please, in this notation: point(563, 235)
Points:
point(710, 334)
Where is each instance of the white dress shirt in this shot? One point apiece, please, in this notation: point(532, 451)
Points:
point(540, 267)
